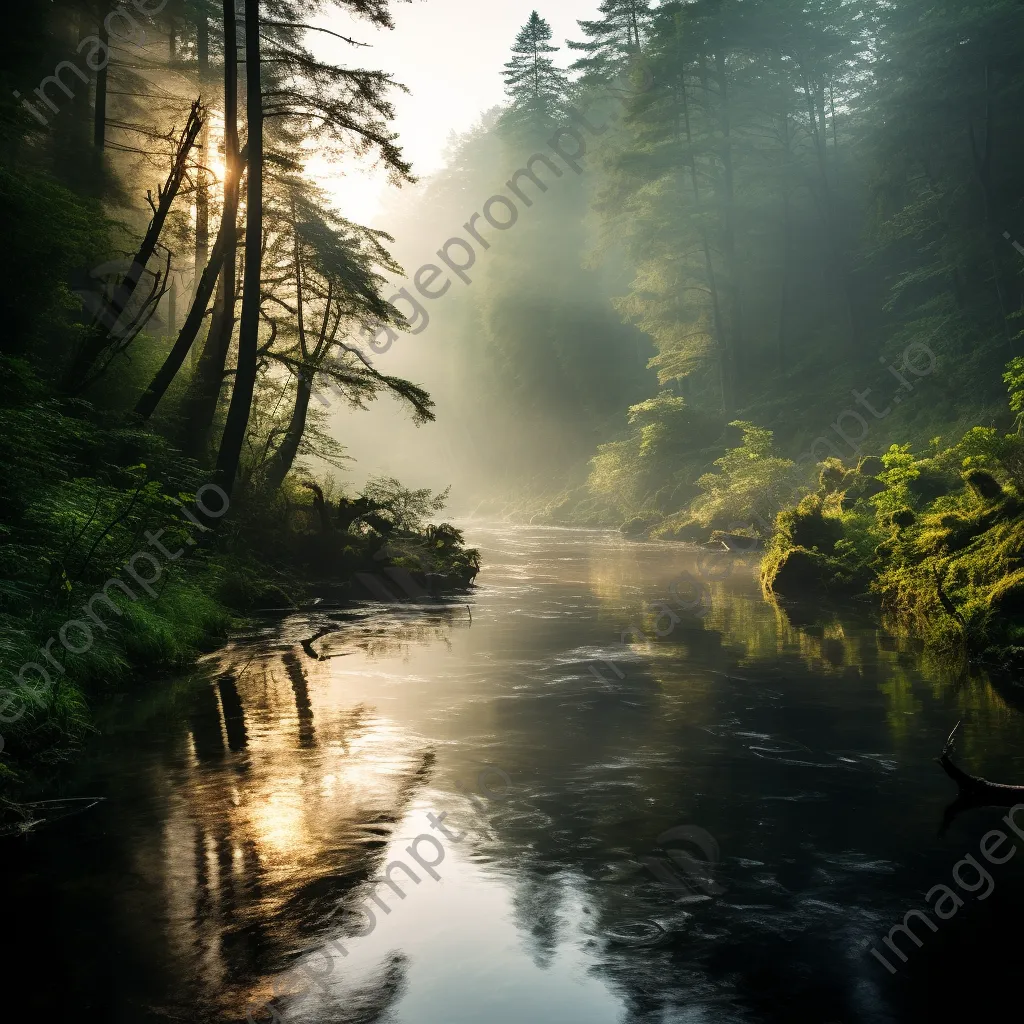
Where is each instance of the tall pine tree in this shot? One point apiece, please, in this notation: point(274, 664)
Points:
point(536, 87)
point(612, 41)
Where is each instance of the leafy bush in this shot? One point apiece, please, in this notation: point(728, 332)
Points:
point(752, 485)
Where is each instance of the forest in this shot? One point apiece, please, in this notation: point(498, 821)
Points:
point(713, 279)
point(793, 287)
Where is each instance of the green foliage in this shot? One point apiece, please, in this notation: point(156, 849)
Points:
point(947, 560)
point(51, 235)
point(405, 508)
point(650, 470)
point(611, 41)
point(1013, 377)
point(536, 87)
point(752, 485)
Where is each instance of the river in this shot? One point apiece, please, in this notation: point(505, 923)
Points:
point(718, 823)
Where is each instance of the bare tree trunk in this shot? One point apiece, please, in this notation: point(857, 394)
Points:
point(172, 307)
point(187, 336)
point(230, 452)
point(209, 376)
point(284, 458)
point(202, 177)
point(105, 334)
point(99, 125)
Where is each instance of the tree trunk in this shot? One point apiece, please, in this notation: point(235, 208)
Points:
point(834, 232)
point(735, 298)
point(284, 457)
point(202, 254)
point(187, 336)
point(787, 240)
point(721, 344)
point(172, 307)
point(104, 336)
point(99, 125)
point(972, 790)
point(201, 408)
point(248, 335)
point(983, 171)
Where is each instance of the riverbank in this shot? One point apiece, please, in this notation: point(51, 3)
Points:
point(937, 540)
point(120, 559)
point(320, 770)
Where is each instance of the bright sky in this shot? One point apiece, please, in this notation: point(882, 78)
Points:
point(450, 54)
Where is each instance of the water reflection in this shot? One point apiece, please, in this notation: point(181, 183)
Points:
point(714, 833)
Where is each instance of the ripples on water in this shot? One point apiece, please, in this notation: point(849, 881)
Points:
point(248, 807)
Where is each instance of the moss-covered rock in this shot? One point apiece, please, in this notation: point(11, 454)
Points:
point(639, 526)
point(796, 572)
point(1006, 598)
point(984, 485)
point(860, 489)
point(832, 476)
point(932, 481)
point(741, 543)
point(870, 465)
point(807, 526)
point(682, 527)
point(903, 518)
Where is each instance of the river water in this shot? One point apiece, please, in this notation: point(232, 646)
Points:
point(717, 823)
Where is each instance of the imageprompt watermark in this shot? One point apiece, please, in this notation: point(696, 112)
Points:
point(500, 212)
point(295, 985)
point(717, 566)
point(76, 635)
point(679, 871)
point(947, 903)
point(98, 56)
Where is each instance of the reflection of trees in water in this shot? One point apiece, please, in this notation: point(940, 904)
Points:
point(600, 775)
point(286, 809)
point(372, 1002)
point(303, 705)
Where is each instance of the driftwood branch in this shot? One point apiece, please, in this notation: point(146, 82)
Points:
point(973, 791)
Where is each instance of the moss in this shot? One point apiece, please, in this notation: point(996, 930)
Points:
point(904, 517)
point(807, 526)
point(861, 488)
point(931, 481)
point(1006, 600)
point(639, 526)
point(681, 527)
point(795, 572)
point(832, 476)
point(870, 465)
point(985, 485)
point(947, 562)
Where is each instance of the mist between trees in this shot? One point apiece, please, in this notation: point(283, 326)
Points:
point(98, 57)
point(460, 255)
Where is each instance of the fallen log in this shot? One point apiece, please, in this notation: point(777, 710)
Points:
point(995, 794)
point(973, 791)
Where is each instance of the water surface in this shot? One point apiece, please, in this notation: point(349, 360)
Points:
point(716, 823)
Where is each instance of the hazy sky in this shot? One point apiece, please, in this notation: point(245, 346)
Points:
point(450, 54)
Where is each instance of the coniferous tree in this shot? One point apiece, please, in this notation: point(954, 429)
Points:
point(324, 286)
point(612, 40)
point(536, 87)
